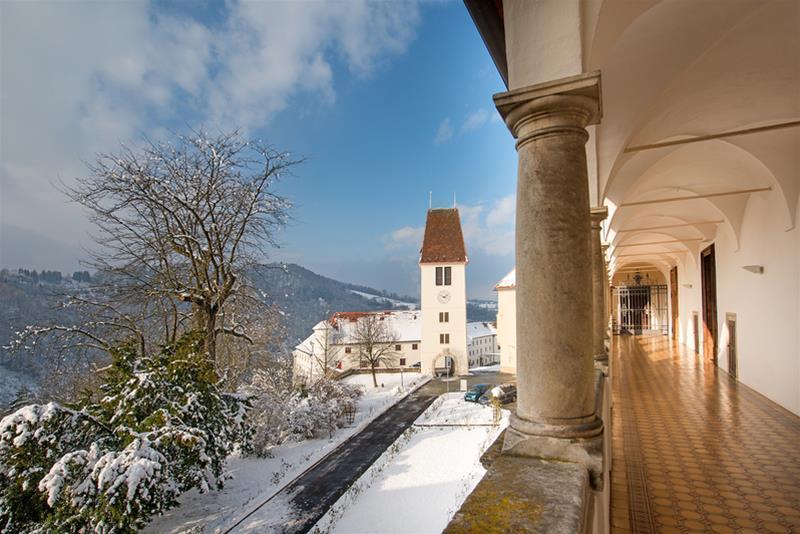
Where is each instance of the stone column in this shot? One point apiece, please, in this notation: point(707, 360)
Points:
point(606, 294)
point(555, 415)
point(599, 284)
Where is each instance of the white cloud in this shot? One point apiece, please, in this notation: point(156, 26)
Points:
point(407, 236)
point(471, 122)
point(81, 77)
point(489, 232)
point(475, 120)
point(502, 212)
point(445, 132)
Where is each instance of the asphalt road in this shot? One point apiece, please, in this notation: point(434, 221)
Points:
point(313, 493)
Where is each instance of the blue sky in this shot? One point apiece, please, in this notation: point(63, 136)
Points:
point(387, 101)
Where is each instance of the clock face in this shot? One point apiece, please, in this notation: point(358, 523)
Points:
point(443, 296)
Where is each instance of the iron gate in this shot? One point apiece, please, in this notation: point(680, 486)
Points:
point(640, 309)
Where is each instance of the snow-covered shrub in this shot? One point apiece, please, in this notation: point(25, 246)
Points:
point(161, 428)
point(282, 412)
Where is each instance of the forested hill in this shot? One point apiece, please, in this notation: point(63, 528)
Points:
point(304, 298)
point(307, 298)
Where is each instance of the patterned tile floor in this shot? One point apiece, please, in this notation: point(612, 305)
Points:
point(695, 451)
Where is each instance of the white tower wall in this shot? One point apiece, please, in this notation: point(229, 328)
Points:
point(430, 305)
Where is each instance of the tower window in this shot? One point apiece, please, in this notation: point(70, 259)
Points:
point(444, 276)
point(413, 346)
point(444, 339)
point(444, 317)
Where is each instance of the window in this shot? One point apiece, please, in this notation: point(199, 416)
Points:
point(402, 361)
point(397, 347)
point(347, 350)
point(413, 346)
point(444, 276)
point(364, 363)
point(444, 339)
point(444, 317)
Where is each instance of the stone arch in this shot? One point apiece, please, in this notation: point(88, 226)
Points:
point(446, 358)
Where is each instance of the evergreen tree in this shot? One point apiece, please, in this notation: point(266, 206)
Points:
point(161, 427)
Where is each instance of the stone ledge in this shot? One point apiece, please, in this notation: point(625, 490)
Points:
point(527, 495)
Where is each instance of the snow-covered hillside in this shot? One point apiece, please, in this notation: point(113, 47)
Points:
point(390, 303)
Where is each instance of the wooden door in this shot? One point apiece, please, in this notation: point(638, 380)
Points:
point(709, 283)
point(673, 293)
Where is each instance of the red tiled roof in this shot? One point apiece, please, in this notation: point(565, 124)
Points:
point(354, 316)
point(443, 241)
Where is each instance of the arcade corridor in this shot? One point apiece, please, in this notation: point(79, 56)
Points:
point(696, 451)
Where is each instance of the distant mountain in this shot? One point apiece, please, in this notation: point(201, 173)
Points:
point(304, 298)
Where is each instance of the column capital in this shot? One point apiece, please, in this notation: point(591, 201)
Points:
point(598, 215)
point(554, 107)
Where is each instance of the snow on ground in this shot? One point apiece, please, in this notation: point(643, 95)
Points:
point(492, 367)
point(256, 479)
point(419, 483)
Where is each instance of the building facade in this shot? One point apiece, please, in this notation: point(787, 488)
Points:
point(334, 347)
point(507, 322)
point(482, 348)
point(651, 136)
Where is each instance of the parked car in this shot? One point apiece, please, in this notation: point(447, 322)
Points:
point(505, 392)
point(476, 391)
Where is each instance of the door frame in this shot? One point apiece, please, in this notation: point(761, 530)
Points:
point(708, 276)
point(673, 293)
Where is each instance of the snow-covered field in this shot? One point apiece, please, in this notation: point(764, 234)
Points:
point(256, 479)
point(419, 483)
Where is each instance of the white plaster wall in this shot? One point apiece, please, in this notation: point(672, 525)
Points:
point(507, 329)
point(430, 308)
point(766, 305)
point(303, 362)
point(543, 40)
point(689, 302)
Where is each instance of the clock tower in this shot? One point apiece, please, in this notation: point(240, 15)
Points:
point(443, 293)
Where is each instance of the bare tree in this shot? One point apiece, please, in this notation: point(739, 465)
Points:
point(375, 341)
point(178, 226)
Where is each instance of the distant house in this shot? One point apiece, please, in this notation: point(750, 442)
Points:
point(507, 321)
point(482, 346)
point(332, 347)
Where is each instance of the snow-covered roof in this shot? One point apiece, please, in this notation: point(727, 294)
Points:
point(479, 330)
point(509, 281)
point(406, 325)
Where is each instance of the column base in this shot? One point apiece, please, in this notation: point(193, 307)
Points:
point(580, 443)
